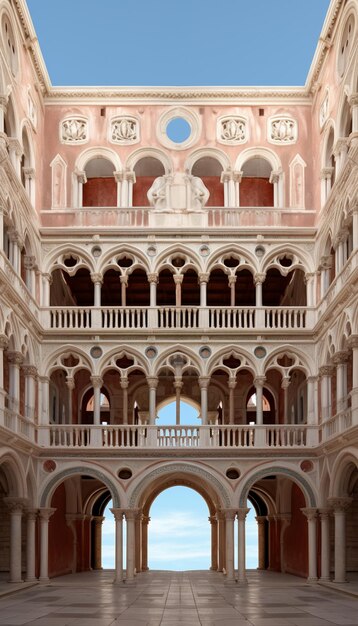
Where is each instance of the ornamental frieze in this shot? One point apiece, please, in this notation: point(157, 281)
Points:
point(232, 130)
point(124, 130)
point(74, 130)
point(282, 130)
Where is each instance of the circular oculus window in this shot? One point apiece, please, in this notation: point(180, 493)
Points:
point(178, 128)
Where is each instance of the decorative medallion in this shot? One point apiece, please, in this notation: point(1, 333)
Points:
point(74, 130)
point(282, 130)
point(231, 130)
point(124, 130)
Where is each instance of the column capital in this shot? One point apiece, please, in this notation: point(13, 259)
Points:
point(145, 519)
point(4, 342)
point(232, 280)
point(32, 514)
point(326, 173)
point(16, 505)
point(15, 146)
point(29, 262)
point(118, 514)
point(15, 358)
point(232, 382)
point(96, 381)
point(178, 383)
point(204, 277)
point(353, 341)
point(47, 277)
point(129, 176)
point(70, 382)
point(259, 381)
point(339, 358)
point(259, 278)
point(310, 513)
point(204, 382)
point(130, 514)
point(285, 382)
point(153, 278)
point(353, 99)
point(326, 370)
point(29, 173)
point(124, 280)
point(29, 370)
point(178, 278)
point(99, 519)
point(229, 514)
point(45, 513)
point(96, 277)
point(153, 382)
point(339, 505)
point(261, 519)
point(241, 513)
point(325, 513)
point(312, 379)
point(81, 176)
point(124, 382)
point(213, 519)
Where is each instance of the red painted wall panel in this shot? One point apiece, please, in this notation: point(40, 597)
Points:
point(296, 537)
point(256, 192)
point(100, 192)
point(60, 547)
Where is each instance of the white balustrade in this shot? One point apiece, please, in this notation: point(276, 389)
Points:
point(286, 436)
point(177, 436)
point(178, 317)
point(124, 317)
point(231, 318)
point(337, 424)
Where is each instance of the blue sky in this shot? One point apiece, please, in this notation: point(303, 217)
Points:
point(186, 42)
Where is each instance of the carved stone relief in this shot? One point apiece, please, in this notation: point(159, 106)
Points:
point(323, 112)
point(282, 130)
point(124, 130)
point(232, 130)
point(297, 183)
point(59, 167)
point(74, 130)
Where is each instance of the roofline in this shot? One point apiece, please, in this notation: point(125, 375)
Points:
point(172, 93)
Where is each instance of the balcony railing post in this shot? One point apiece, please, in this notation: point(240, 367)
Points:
point(43, 436)
point(96, 436)
point(153, 317)
point(312, 437)
point(96, 318)
point(260, 318)
point(260, 436)
point(152, 434)
point(204, 318)
point(204, 437)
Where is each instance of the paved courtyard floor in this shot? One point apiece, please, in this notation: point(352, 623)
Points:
point(178, 598)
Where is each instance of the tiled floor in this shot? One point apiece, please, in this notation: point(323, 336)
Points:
point(178, 599)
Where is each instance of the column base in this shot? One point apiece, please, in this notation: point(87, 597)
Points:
point(340, 582)
point(118, 582)
point(231, 581)
point(15, 582)
point(242, 582)
point(325, 579)
point(129, 581)
point(44, 580)
point(312, 580)
point(31, 579)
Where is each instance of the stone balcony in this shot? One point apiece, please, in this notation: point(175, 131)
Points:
point(149, 218)
point(178, 318)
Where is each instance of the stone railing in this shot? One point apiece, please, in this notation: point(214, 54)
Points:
point(18, 424)
point(147, 217)
point(154, 437)
point(180, 318)
point(337, 424)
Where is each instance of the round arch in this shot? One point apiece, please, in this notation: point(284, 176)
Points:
point(93, 153)
point(212, 153)
point(339, 471)
point(154, 153)
point(194, 474)
point(15, 474)
point(51, 485)
point(287, 472)
point(264, 153)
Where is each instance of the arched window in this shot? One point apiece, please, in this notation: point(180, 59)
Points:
point(209, 170)
point(9, 45)
point(100, 188)
point(256, 188)
point(146, 171)
point(345, 45)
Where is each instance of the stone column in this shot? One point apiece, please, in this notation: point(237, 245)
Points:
point(221, 541)
point(214, 542)
point(241, 516)
point(29, 264)
point(138, 542)
point(81, 178)
point(31, 515)
point(282, 521)
point(45, 292)
point(29, 176)
point(15, 250)
point(70, 384)
point(178, 384)
point(97, 383)
point(312, 400)
point(118, 177)
point(204, 384)
point(124, 285)
point(232, 283)
point(340, 360)
point(130, 515)
point(97, 280)
point(131, 179)
point(153, 282)
point(275, 180)
point(259, 279)
point(285, 383)
point(326, 399)
point(3, 345)
point(16, 507)
point(97, 524)
point(325, 543)
point(178, 279)
point(30, 373)
point(15, 360)
point(45, 515)
point(340, 505)
point(118, 516)
point(124, 387)
point(203, 281)
point(145, 522)
point(3, 106)
point(353, 102)
point(259, 385)
point(311, 515)
point(15, 152)
point(261, 521)
point(230, 515)
point(153, 385)
point(232, 385)
point(44, 400)
point(353, 344)
point(310, 291)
